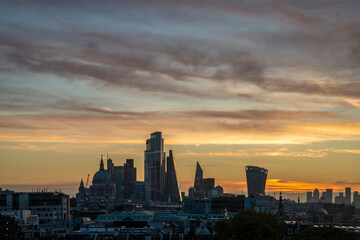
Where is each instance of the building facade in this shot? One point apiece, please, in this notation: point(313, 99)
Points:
point(52, 208)
point(256, 180)
point(172, 187)
point(154, 170)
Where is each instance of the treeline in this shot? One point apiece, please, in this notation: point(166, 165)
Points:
point(250, 225)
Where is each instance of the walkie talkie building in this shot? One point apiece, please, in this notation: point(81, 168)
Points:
point(256, 180)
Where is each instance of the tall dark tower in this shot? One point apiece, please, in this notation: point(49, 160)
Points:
point(129, 176)
point(198, 183)
point(154, 171)
point(172, 187)
point(256, 180)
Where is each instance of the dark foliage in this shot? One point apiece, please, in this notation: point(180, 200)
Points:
point(250, 225)
point(326, 233)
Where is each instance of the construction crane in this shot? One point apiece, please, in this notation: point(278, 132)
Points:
point(87, 181)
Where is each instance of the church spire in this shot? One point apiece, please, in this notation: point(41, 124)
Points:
point(102, 164)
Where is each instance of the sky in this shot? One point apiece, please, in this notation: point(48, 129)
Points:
point(229, 83)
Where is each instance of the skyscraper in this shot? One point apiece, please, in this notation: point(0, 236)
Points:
point(316, 196)
point(172, 186)
point(309, 198)
point(129, 176)
point(356, 199)
point(154, 169)
point(329, 196)
point(256, 180)
point(198, 183)
point(348, 196)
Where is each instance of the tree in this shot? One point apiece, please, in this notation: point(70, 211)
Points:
point(326, 233)
point(250, 225)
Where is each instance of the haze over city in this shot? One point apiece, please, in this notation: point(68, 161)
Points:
point(273, 84)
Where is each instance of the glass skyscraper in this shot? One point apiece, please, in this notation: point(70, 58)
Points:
point(154, 168)
point(172, 186)
point(256, 180)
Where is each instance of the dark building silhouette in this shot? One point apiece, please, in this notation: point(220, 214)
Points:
point(198, 183)
point(172, 186)
point(208, 183)
point(129, 176)
point(137, 191)
point(109, 186)
point(316, 196)
point(256, 180)
point(154, 168)
point(110, 167)
point(118, 178)
point(103, 189)
point(348, 196)
point(204, 187)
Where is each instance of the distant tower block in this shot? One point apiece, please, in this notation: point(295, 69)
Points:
point(198, 183)
point(256, 180)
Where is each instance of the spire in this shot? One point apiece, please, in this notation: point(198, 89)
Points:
point(81, 183)
point(102, 164)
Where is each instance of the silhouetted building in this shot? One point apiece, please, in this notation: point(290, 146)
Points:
point(230, 203)
point(50, 207)
point(328, 195)
point(220, 190)
point(202, 206)
point(340, 199)
point(172, 186)
point(137, 191)
point(356, 199)
point(204, 187)
point(198, 182)
point(129, 176)
point(110, 167)
point(103, 189)
point(118, 179)
point(154, 168)
point(348, 196)
point(309, 198)
point(209, 183)
point(316, 196)
point(256, 180)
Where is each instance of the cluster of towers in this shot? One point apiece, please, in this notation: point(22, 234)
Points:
point(160, 175)
point(327, 197)
point(204, 187)
point(118, 183)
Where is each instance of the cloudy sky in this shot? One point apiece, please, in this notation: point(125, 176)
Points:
point(229, 83)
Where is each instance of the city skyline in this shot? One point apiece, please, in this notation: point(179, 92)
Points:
point(272, 84)
point(155, 146)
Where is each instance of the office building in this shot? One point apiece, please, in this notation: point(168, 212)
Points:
point(118, 179)
point(256, 180)
point(198, 182)
point(316, 196)
point(172, 186)
point(340, 199)
point(129, 176)
point(348, 196)
point(309, 198)
point(208, 183)
point(356, 199)
point(137, 191)
point(50, 207)
point(154, 170)
point(328, 195)
point(204, 187)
